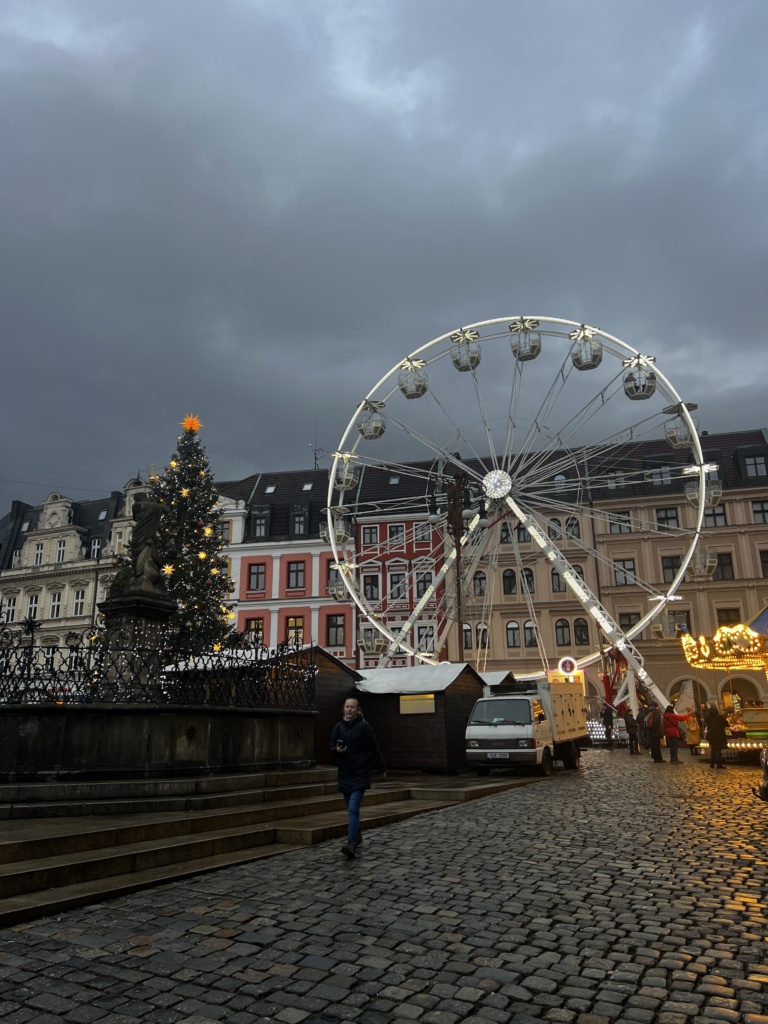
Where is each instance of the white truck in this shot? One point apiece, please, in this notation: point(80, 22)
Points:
point(527, 725)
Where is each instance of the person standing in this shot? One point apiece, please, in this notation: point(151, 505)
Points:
point(354, 742)
point(655, 731)
point(672, 732)
point(693, 733)
point(630, 723)
point(607, 719)
point(716, 736)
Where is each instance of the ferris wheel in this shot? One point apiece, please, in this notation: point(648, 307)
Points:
point(485, 464)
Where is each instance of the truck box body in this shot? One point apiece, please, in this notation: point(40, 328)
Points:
point(527, 725)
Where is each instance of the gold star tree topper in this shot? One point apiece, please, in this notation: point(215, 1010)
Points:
point(192, 423)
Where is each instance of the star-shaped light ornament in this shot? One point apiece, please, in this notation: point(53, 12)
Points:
point(217, 647)
point(185, 492)
point(214, 572)
point(202, 556)
point(464, 336)
point(523, 323)
point(174, 463)
point(168, 570)
point(231, 616)
point(208, 531)
point(582, 333)
point(192, 423)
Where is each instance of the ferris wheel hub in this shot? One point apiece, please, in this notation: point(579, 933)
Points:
point(497, 484)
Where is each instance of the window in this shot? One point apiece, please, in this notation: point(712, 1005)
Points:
point(270, 489)
point(661, 476)
point(95, 547)
point(558, 583)
point(666, 518)
point(257, 577)
point(755, 465)
point(620, 522)
point(554, 529)
point(396, 533)
point(614, 478)
point(417, 704)
point(528, 581)
point(681, 620)
point(370, 535)
point(581, 632)
point(760, 511)
point(529, 634)
point(78, 607)
point(296, 572)
point(561, 482)
point(670, 564)
point(371, 586)
point(10, 609)
point(728, 616)
point(513, 634)
point(467, 634)
point(299, 524)
point(505, 534)
point(394, 479)
point(481, 634)
point(523, 537)
point(50, 655)
point(724, 567)
point(307, 486)
point(563, 633)
point(61, 547)
point(255, 630)
point(32, 603)
point(397, 586)
point(422, 533)
point(624, 572)
point(294, 633)
point(423, 583)
point(335, 631)
point(102, 515)
point(16, 560)
point(715, 516)
point(38, 554)
point(425, 639)
point(763, 563)
point(54, 610)
point(334, 578)
point(479, 584)
point(118, 544)
point(509, 581)
point(260, 525)
point(225, 530)
point(25, 526)
point(572, 528)
point(627, 620)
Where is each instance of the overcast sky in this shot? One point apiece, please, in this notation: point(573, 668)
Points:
point(252, 209)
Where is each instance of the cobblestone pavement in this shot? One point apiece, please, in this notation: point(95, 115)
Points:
point(627, 891)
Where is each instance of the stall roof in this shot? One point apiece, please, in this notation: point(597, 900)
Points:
point(415, 679)
point(494, 678)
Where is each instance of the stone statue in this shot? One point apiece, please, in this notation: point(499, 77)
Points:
point(145, 557)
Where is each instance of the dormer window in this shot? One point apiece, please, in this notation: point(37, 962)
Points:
point(24, 526)
point(394, 479)
point(307, 487)
point(102, 515)
point(270, 489)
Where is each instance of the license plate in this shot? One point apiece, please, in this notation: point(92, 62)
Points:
point(505, 754)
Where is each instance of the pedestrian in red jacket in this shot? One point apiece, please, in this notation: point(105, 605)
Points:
point(672, 732)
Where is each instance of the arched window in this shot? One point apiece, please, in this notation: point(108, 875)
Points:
point(561, 481)
point(523, 537)
point(581, 632)
point(481, 632)
point(555, 529)
point(529, 634)
point(558, 583)
point(513, 634)
point(572, 528)
point(505, 534)
point(528, 582)
point(509, 581)
point(467, 630)
point(563, 633)
point(479, 584)
point(579, 572)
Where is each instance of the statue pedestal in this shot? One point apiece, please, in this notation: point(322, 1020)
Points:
point(134, 625)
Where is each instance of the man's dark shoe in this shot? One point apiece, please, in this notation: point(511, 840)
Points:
point(349, 851)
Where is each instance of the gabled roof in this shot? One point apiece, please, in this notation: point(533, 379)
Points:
point(495, 678)
point(414, 679)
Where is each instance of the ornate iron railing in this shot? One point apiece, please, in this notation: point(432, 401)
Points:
point(96, 668)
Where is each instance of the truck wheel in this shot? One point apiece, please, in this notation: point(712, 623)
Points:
point(483, 771)
point(572, 755)
point(545, 768)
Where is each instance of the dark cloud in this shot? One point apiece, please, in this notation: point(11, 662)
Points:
point(252, 210)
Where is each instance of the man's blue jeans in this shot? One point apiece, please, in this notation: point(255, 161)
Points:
point(352, 802)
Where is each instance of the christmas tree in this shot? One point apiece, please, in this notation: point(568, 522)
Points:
point(189, 543)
